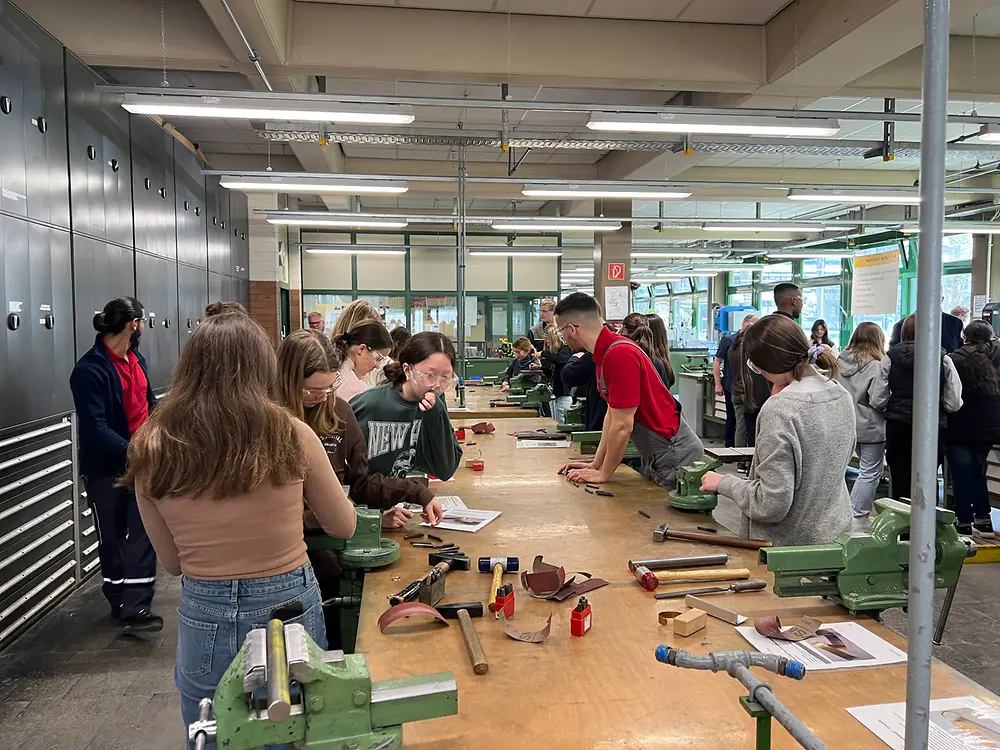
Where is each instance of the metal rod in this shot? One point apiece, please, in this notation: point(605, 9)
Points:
point(35, 433)
point(942, 622)
point(279, 700)
point(463, 170)
point(251, 52)
point(761, 692)
point(926, 389)
point(536, 106)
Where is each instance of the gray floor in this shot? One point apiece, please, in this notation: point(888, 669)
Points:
point(72, 683)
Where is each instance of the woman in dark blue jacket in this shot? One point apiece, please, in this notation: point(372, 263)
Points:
point(113, 398)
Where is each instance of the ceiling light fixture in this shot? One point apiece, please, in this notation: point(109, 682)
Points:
point(555, 224)
point(958, 228)
point(341, 223)
point(624, 122)
point(890, 196)
point(354, 250)
point(809, 256)
point(514, 252)
point(639, 192)
point(314, 185)
point(732, 267)
point(692, 254)
point(267, 108)
point(765, 227)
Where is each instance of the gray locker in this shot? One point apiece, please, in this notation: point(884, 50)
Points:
point(239, 237)
point(13, 192)
point(20, 375)
point(48, 320)
point(156, 289)
point(153, 188)
point(192, 244)
point(192, 295)
point(99, 163)
point(217, 226)
point(218, 287)
point(101, 272)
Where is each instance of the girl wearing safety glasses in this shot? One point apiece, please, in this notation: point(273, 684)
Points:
point(406, 421)
point(362, 350)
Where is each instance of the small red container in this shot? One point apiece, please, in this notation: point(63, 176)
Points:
point(477, 465)
point(505, 604)
point(460, 433)
point(581, 618)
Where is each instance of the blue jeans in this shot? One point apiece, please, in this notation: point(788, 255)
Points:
point(215, 617)
point(559, 406)
point(870, 465)
point(967, 462)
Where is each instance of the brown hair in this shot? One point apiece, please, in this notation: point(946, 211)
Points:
point(219, 308)
point(371, 333)
point(908, 331)
point(524, 344)
point(416, 350)
point(302, 354)
point(547, 303)
point(867, 343)
point(639, 328)
point(217, 433)
point(776, 344)
point(356, 312)
point(399, 336)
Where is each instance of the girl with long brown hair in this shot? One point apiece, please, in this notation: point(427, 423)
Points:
point(795, 492)
point(222, 475)
point(639, 328)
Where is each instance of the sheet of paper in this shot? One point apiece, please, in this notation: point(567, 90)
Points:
point(544, 443)
point(466, 520)
point(616, 299)
point(837, 645)
point(978, 303)
point(955, 724)
point(876, 278)
point(448, 502)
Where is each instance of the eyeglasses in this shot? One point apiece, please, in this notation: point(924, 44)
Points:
point(433, 377)
point(321, 392)
point(140, 320)
point(377, 356)
point(560, 329)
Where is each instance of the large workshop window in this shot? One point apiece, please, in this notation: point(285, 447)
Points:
point(392, 308)
point(822, 303)
point(327, 305)
point(433, 313)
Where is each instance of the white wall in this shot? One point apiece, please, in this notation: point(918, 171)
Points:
point(433, 269)
point(326, 271)
point(382, 272)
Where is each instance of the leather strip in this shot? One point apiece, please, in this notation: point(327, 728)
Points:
point(407, 609)
point(804, 627)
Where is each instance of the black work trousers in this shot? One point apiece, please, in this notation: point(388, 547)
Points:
point(899, 456)
point(128, 562)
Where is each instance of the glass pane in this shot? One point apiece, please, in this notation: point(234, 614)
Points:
point(704, 324)
point(680, 286)
point(955, 247)
point(327, 305)
point(682, 330)
point(660, 289)
point(434, 314)
point(701, 283)
point(822, 303)
point(740, 278)
point(776, 273)
point(767, 305)
point(957, 290)
point(741, 298)
point(662, 308)
point(392, 308)
point(816, 267)
point(498, 321)
point(521, 322)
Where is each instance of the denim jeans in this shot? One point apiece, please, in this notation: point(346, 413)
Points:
point(215, 617)
point(870, 459)
point(559, 406)
point(967, 462)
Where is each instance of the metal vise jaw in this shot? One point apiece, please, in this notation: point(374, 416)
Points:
point(331, 700)
point(867, 572)
point(365, 550)
point(574, 419)
point(688, 495)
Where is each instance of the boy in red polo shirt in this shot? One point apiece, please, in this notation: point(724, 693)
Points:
point(640, 407)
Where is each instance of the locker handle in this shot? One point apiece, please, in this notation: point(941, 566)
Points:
point(50, 321)
point(42, 124)
point(223, 224)
point(197, 210)
point(13, 321)
point(166, 322)
point(6, 105)
point(187, 205)
point(115, 166)
point(163, 192)
point(147, 184)
point(91, 153)
point(215, 221)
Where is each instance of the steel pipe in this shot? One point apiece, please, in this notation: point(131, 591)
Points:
point(927, 368)
point(463, 171)
point(251, 52)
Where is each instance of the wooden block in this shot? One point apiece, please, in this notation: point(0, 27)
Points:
point(690, 622)
point(715, 610)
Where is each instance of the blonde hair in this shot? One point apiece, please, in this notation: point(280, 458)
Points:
point(547, 303)
point(356, 312)
point(867, 343)
point(552, 342)
point(301, 355)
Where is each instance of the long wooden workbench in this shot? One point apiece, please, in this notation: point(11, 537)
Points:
point(604, 690)
point(477, 403)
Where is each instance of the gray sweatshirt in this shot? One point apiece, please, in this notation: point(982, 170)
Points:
point(796, 492)
point(859, 382)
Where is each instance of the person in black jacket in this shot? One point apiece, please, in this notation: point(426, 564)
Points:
point(951, 332)
point(555, 355)
point(580, 372)
point(113, 398)
point(973, 429)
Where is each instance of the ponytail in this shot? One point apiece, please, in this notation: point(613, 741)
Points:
point(117, 314)
point(371, 333)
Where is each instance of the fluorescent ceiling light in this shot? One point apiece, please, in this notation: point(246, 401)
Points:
point(733, 267)
point(340, 223)
point(314, 185)
point(809, 256)
point(639, 192)
point(547, 224)
point(892, 196)
point(989, 133)
point(267, 108)
point(623, 122)
point(765, 227)
point(355, 250)
point(513, 252)
point(957, 228)
point(692, 254)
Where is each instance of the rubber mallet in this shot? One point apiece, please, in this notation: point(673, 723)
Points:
point(498, 566)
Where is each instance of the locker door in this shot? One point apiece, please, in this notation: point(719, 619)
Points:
point(101, 272)
point(20, 373)
point(218, 287)
point(165, 196)
point(238, 237)
point(12, 113)
point(192, 239)
point(117, 175)
point(48, 321)
point(156, 289)
point(192, 290)
point(218, 236)
point(144, 182)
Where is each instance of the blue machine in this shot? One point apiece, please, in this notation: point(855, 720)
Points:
point(730, 319)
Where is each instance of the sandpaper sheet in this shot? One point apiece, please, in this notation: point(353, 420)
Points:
point(408, 609)
point(804, 627)
point(547, 581)
point(525, 636)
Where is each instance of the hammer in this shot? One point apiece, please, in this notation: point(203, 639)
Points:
point(499, 566)
point(663, 532)
point(463, 612)
point(441, 561)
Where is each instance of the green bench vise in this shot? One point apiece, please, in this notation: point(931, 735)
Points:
point(283, 689)
point(867, 572)
point(574, 419)
point(366, 550)
point(588, 441)
point(535, 398)
point(688, 495)
point(524, 382)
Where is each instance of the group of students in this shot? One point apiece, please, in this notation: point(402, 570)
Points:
point(219, 478)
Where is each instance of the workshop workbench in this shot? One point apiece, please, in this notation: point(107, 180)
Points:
point(477, 401)
point(604, 690)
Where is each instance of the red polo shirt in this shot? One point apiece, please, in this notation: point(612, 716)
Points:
point(134, 388)
point(631, 381)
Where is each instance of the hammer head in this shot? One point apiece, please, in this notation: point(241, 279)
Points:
point(510, 564)
point(450, 611)
point(456, 562)
point(660, 532)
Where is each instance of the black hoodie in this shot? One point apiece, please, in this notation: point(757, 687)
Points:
point(978, 421)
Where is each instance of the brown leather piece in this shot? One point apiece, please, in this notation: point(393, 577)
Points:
point(804, 627)
point(547, 581)
point(407, 609)
point(483, 428)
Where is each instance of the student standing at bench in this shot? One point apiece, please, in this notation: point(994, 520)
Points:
point(639, 405)
point(525, 361)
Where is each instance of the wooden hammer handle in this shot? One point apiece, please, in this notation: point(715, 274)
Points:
point(476, 654)
point(723, 574)
point(719, 539)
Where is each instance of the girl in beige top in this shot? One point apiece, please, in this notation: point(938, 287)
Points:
point(222, 475)
point(362, 350)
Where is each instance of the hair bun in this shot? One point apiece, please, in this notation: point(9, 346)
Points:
point(99, 325)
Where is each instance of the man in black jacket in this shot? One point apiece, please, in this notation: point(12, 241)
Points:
point(951, 332)
point(113, 398)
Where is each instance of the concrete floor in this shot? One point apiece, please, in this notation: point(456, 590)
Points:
point(71, 683)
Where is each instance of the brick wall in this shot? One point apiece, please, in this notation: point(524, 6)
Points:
point(295, 314)
point(264, 307)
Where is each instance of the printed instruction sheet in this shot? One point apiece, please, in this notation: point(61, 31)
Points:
point(448, 502)
point(469, 520)
point(955, 724)
point(838, 645)
point(544, 443)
